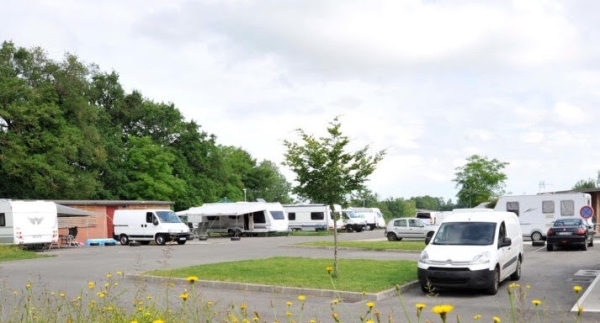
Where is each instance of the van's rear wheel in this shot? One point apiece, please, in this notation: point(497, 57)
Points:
point(517, 274)
point(160, 239)
point(124, 239)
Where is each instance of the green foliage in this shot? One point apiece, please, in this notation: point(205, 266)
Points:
point(588, 183)
point(479, 180)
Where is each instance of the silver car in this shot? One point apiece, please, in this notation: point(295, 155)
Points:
point(400, 228)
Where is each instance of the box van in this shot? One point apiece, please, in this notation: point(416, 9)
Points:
point(148, 225)
point(473, 250)
point(373, 215)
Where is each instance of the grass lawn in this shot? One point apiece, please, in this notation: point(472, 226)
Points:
point(8, 253)
point(355, 275)
point(371, 245)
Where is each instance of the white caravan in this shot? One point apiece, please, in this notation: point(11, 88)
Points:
point(236, 219)
point(146, 225)
point(30, 224)
point(537, 212)
point(373, 216)
point(313, 217)
point(434, 217)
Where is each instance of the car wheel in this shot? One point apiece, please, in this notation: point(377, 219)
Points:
point(494, 283)
point(549, 247)
point(181, 242)
point(359, 229)
point(536, 239)
point(517, 274)
point(160, 239)
point(124, 239)
point(392, 236)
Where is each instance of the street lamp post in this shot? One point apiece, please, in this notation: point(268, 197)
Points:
point(244, 195)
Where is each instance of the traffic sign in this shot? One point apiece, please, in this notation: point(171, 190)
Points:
point(586, 212)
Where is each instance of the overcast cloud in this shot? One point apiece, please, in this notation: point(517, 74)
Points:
point(433, 82)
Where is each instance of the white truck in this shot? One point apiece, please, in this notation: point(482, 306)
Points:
point(31, 224)
point(373, 216)
point(146, 225)
point(313, 217)
point(537, 212)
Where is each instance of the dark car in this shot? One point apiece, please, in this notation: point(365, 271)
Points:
point(570, 232)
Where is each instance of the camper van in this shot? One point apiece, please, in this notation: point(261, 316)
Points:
point(313, 217)
point(373, 216)
point(236, 219)
point(146, 225)
point(472, 250)
point(537, 212)
point(31, 224)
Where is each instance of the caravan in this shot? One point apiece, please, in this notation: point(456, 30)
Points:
point(537, 212)
point(236, 219)
point(29, 224)
point(313, 217)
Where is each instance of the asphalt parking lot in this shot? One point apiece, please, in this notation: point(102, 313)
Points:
point(550, 276)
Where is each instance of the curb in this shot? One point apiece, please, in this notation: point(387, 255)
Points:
point(349, 297)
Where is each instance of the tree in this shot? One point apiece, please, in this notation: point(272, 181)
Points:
point(480, 180)
point(589, 183)
point(326, 172)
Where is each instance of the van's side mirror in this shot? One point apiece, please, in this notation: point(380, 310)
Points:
point(505, 242)
point(427, 240)
point(155, 222)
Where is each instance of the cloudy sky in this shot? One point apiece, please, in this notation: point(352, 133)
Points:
point(432, 82)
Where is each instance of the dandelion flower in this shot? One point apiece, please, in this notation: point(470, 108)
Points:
point(209, 303)
point(536, 302)
point(301, 298)
point(577, 289)
point(158, 321)
point(184, 296)
point(91, 285)
point(335, 301)
point(192, 279)
point(477, 317)
point(370, 305)
point(288, 303)
point(288, 313)
point(243, 306)
point(442, 310)
point(119, 273)
point(109, 275)
point(329, 269)
point(420, 306)
point(496, 319)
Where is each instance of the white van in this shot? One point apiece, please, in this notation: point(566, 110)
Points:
point(148, 225)
point(373, 215)
point(474, 250)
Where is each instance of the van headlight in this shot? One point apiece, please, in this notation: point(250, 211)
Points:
point(482, 258)
point(424, 258)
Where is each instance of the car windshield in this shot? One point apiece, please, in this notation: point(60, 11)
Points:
point(567, 223)
point(168, 217)
point(466, 233)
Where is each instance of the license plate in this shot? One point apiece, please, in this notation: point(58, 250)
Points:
point(184, 238)
point(564, 233)
point(37, 237)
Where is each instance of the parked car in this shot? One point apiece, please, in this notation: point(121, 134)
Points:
point(400, 228)
point(570, 231)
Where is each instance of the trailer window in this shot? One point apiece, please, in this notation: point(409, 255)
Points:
point(277, 215)
point(212, 218)
point(317, 215)
point(548, 207)
point(292, 216)
point(512, 207)
point(567, 207)
point(2, 220)
point(259, 217)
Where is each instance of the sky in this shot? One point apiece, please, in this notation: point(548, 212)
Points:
point(432, 82)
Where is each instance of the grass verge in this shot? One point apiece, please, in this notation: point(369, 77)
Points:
point(8, 253)
point(370, 245)
point(355, 275)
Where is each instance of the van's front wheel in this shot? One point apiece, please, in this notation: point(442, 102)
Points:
point(494, 283)
point(160, 239)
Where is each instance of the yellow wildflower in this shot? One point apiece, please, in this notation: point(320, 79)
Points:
point(335, 301)
point(158, 321)
point(477, 317)
point(579, 310)
point(109, 276)
point(329, 269)
point(301, 298)
point(536, 302)
point(370, 305)
point(119, 273)
point(91, 285)
point(288, 303)
point(288, 313)
point(184, 296)
point(192, 279)
point(243, 306)
point(209, 303)
point(496, 319)
point(577, 289)
point(442, 309)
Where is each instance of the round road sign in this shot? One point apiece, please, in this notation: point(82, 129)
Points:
point(586, 212)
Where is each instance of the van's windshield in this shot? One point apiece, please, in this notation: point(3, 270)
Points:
point(465, 233)
point(168, 217)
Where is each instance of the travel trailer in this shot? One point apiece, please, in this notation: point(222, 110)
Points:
point(147, 225)
point(537, 212)
point(373, 216)
point(31, 224)
point(236, 219)
point(313, 217)
point(434, 217)
point(472, 250)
